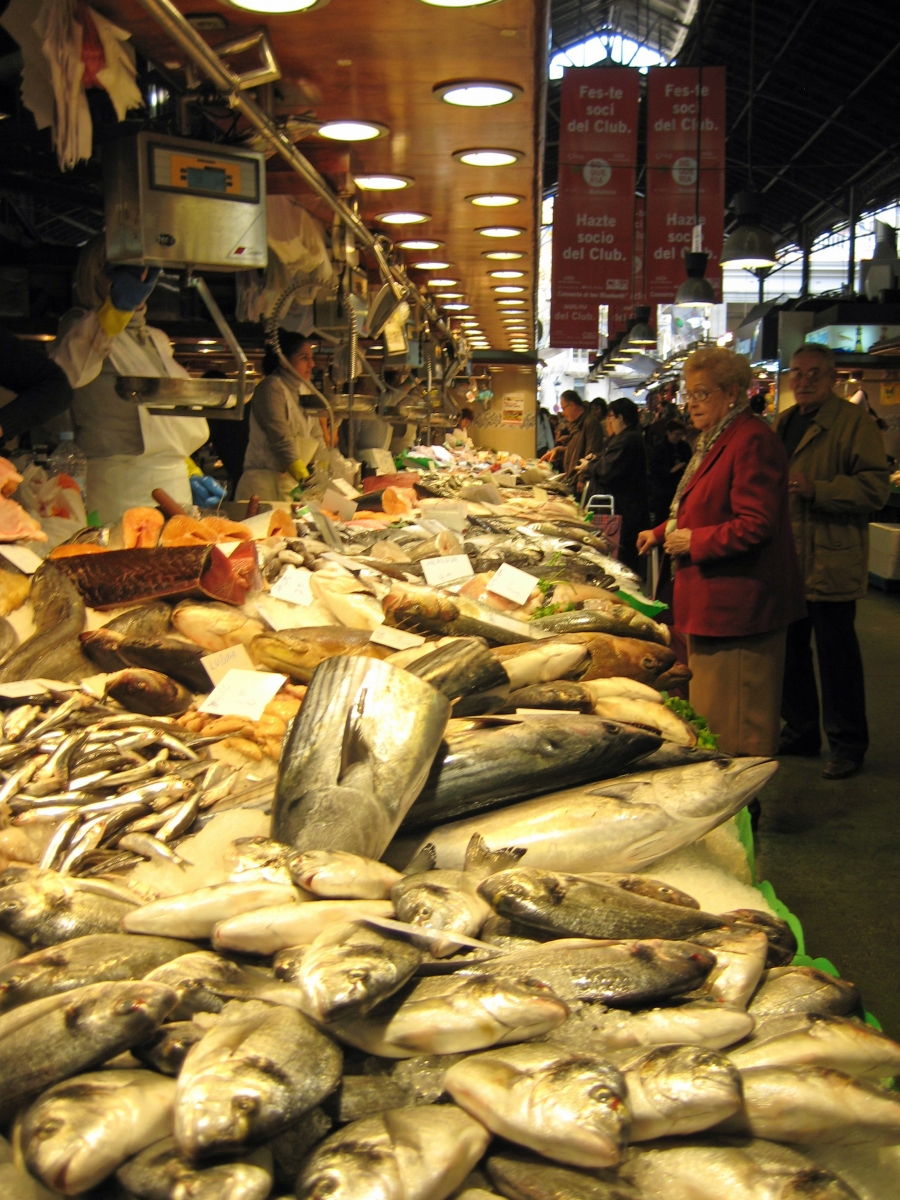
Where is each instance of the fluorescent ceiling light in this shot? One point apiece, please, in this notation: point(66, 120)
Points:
point(488, 158)
point(442, 282)
point(495, 200)
point(382, 183)
point(502, 255)
point(449, 295)
point(352, 131)
point(477, 93)
point(508, 289)
point(275, 7)
point(430, 265)
point(420, 244)
point(499, 231)
point(511, 303)
point(455, 306)
point(458, 3)
point(506, 274)
point(403, 218)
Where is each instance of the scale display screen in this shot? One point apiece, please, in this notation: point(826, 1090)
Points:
point(222, 176)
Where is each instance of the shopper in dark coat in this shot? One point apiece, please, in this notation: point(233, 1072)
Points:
point(621, 472)
point(668, 457)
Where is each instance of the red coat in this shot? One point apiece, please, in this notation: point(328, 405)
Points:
point(742, 576)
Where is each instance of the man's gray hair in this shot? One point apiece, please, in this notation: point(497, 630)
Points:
point(824, 352)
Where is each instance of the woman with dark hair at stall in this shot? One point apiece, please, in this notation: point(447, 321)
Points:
point(284, 437)
point(728, 536)
point(620, 471)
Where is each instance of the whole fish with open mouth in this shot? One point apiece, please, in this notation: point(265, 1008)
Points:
point(339, 875)
point(724, 1168)
point(449, 899)
point(195, 914)
point(522, 1176)
point(255, 1072)
point(489, 765)
point(44, 908)
point(81, 961)
point(350, 968)
point(815, 1104)
point(574, 906)
point(82, 1129)
point(162, 1172)
point(677, 1090)
point(413, 1153)
point(570, 1107)
point(607, 972)
point(356, 756)
point(467, 674)
point(811, 1040)
point(803, 990)
point(621, 824)
point(298, 652)
point(53, 651)
point(48, 1040)
point(706, 1023)
point(451, 1014)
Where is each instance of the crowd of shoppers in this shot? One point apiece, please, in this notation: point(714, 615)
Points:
point(764, 534)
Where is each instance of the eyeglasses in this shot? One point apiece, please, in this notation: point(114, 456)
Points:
point(700, 396)
point(796, 375)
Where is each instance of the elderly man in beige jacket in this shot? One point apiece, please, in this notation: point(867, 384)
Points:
point(838, 478)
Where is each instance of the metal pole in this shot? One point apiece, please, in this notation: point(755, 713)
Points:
point(851, 253)
point(351, 372)
point(804, 279)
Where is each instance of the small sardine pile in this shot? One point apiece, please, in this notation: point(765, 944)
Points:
point(430, 960)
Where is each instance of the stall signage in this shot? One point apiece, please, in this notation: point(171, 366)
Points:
point(593, 217)
point(679, 99)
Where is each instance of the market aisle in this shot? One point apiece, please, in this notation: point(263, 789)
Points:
point(831, 850)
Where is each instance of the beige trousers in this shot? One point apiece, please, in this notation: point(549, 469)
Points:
point(268, 485)
point(736, 685)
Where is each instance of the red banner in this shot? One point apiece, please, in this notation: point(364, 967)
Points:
point(593, 217)
point(677, 100)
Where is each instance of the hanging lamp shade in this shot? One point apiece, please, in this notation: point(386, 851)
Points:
point(749, 245)
point(695, 289)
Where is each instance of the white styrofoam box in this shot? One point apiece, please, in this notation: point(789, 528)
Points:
point(884, 550)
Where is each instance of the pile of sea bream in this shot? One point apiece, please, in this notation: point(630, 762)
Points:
point(464, 918)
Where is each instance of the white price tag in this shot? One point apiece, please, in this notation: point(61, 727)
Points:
point(293, 585)
point(383, 461)
point(347, 490)
point(278, 614)
point(512, 584)
point(23, 558)
point(242, 694)
point(397, 639)
point(446, 569)
point(334, 502)
point(232, 658)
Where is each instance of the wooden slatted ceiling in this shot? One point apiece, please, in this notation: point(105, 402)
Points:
point(380, 62)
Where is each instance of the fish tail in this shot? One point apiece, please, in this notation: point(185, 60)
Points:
point(481, 860)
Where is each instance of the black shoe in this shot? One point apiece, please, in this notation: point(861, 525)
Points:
point(841, 766)
point(799, 746)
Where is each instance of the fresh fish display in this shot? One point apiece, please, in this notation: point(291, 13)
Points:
point(678, 1090)
point(467, 674)
point(339, 875)
point(600, 616)
point(489, 765)
point(568, 1107)
point(148, 692)
point(409, 1152)
point(543, 663)
point(212, 624)
point(607, 655)
point(782, 943)
point(649, 716)
point(266, 930)
point(811, 1040)
point(559, 694)
point(162, 1172)
point(803, 990)
point(203, 981)
point(44, 908)
point(195, 914)
point(82, 1129)
point(699, 1023)
point(623, 824)
point(740, 960)
point(424, 610)
point(356, 757)
point(53, 651)
point(297, 652)
point(269, 1059)
point(522, 1176)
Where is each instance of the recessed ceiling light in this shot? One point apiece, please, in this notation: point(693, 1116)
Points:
point(499, 231)
point(508, 289)
point(449, 295)
point(459, 3)
point(430, 265)
point(477, 93)
point(455, 306)
point(502, 255)
point(382, 183)
point(495, 200)
point(274, 7)
point(506, 274)
point(403, 218)
point(442, 282)
point(515, 326)
point(488, 158)
point(511, 303)
point(352, 131)
point(419, 244)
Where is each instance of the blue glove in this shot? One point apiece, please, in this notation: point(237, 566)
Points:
point(128, 291)
point(205, 491)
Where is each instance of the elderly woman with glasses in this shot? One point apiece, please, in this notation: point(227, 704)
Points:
point(737, 583)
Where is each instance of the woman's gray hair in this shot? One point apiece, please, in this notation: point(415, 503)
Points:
point(727, 368)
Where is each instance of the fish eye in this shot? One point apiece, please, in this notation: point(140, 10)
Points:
point(245, 1104)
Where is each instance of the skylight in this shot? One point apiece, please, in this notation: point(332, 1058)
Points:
point(606, 47)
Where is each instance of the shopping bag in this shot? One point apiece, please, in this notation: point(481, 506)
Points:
point(602, 510)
